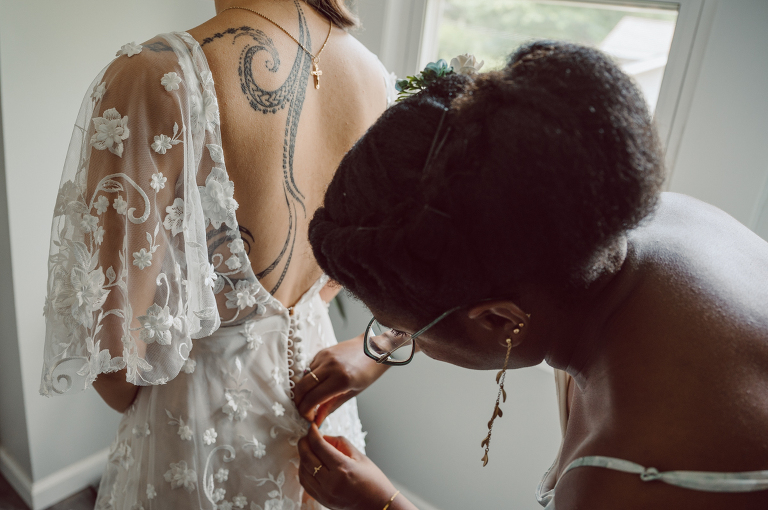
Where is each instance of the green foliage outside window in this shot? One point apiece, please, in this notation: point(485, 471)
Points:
point(492, 29)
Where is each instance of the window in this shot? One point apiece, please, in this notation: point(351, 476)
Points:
point(638, 37)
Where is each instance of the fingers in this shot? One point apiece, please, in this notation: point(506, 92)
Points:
point(310, 483)
point(304, 385)
point(308, 460)
point(343, 445)
point(326, 452)
point(329, 406)
point(330, 386)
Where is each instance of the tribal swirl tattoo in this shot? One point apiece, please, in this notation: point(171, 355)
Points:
point(289, 97)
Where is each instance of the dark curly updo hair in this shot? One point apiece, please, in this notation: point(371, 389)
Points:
point(534, 172)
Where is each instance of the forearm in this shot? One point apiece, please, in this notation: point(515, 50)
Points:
point(118, 393)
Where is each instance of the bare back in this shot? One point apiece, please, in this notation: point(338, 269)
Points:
point(282, 137)
point(680, 381)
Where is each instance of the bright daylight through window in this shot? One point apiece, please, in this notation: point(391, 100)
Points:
point(638, 37)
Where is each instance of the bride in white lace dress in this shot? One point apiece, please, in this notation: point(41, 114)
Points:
point(182, 285)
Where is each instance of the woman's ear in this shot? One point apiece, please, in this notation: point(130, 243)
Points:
point(503, 316)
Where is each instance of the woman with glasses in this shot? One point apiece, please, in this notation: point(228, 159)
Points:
point(517, 217)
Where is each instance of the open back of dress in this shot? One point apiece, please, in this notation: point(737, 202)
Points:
point(148, 261)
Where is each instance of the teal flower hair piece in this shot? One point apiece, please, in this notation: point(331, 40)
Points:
point(413, 84)
point(463, 64)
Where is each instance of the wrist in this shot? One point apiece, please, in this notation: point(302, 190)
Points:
point(388, 504)
point(400, 502)
point(379, 497)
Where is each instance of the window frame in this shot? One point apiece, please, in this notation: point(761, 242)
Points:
point(409, 33)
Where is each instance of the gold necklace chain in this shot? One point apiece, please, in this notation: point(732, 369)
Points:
point(315, 58)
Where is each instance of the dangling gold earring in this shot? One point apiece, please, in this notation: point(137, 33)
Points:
point(502, 395)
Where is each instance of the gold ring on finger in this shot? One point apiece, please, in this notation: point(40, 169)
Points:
point(318, 468)
point(314, 376)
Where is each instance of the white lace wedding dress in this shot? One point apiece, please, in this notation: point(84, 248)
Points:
point(148, 272)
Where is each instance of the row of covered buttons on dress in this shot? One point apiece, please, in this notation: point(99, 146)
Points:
point(297, 359)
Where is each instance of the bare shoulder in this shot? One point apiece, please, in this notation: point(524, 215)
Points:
point(346, 64)
point(144, 59)
point(360, 68)
point(686, 234)
point(593, 488)
point(135, 77)
point(676, 206)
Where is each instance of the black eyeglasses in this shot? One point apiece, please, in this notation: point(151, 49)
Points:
point(392, 347)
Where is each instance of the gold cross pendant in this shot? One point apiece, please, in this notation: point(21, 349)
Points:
point(317, 73)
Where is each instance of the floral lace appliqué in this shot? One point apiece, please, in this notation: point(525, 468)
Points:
point(247, 295)
point(98, 91)
point(174, 220)
point(81, 292)
point(111, 130)
point(276, 501)
point(157, 181)
point(259, 449)
point(101, 205)
point(252, 338)
point(240, 501)
point(181, 476)
point(120, 205)
point(129, 49)
point(189, 366)
point(209, 436)
point(205, 111)
point(156, 325)
point(141, 430)
point(100, 362)
point(163, 142)
point(170, 81)
point(217, 197)
point(121, 454)
point(238, 403)
point(222, 475)
point(184, 432)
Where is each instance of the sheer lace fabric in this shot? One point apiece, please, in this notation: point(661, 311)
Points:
point(148, 272)
point(223, 434)
point(144, 232)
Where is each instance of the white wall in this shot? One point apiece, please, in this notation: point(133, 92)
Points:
point(50, 50)
point(13, 420)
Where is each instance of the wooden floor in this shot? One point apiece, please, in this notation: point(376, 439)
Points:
point(83, 500)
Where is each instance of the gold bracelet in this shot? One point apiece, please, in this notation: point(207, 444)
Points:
point(386, 507)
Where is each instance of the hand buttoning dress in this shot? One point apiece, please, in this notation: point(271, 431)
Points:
point(148, 272)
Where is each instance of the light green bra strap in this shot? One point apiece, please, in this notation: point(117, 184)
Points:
point(748, 481)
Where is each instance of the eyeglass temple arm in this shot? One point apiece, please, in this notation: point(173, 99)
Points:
point(425, 328)
point(385, 356)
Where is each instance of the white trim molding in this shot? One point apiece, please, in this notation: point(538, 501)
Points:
point(56, 486)
point(16, 476)
point(694, 23)
point(402, 35)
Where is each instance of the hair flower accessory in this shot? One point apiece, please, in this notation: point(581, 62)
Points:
point(463, 64)
point(466, 64)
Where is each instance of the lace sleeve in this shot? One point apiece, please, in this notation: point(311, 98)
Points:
point(130, 282)
point(390, 80)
